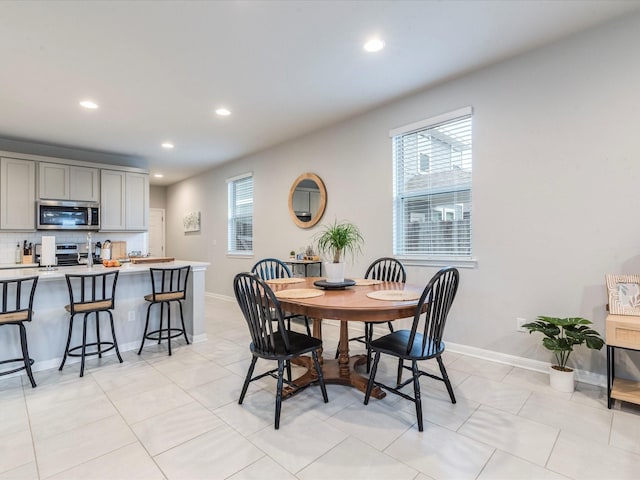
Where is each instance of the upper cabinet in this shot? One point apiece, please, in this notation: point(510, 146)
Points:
point(68, 182)
point(124, 202)
point(17, 194)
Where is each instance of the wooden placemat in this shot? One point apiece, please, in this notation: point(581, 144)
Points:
point(285, 281)
point(367, 281)
point(299, 293)
point(394, 295)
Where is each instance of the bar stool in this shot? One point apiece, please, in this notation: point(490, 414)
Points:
point(91, 293)
point(17, 308)
point(168, 285)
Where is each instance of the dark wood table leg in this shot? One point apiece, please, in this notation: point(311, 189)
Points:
point(341, 371)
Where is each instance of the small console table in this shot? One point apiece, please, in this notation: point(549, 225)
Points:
point(622, 331)
point(305, 264)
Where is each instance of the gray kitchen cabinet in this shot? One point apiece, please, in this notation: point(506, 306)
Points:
point(17, 194)
point(124, 201)
point(68, 182)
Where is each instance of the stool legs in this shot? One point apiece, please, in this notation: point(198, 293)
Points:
point(25, 354)
point(98, 343)
point(166, 330)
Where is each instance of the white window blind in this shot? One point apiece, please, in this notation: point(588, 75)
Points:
point(432, 187)
point(240, 227)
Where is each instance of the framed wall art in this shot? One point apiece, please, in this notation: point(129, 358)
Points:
point(624, 294)
point(191, 222)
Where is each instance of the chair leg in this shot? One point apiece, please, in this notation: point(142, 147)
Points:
point(66, 349)
point(368, 338)
point(416, 391)
point(306, 324)
point(25, 354)
point(98, 334)
point(447, 382)
point(279, 393)
point(247, 380)
point(323, 388)
point(184, 330)
point(390, 327)
point(146, 327)
point(168, 327)
point(400, 368)
point(161, 319)
point(372, 377)
point(113, 333)
point(84, 343)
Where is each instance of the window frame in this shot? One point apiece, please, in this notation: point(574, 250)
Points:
point(401, 195)
point(233, 216)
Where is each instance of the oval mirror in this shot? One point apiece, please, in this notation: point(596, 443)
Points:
point(307, 200)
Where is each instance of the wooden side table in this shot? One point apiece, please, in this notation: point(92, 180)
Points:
point(305, 264)
point(622, 331)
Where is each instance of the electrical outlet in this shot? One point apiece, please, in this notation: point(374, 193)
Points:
point(519, 323)
point(132, 316)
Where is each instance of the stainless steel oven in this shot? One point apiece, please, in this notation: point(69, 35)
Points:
point(62, 215)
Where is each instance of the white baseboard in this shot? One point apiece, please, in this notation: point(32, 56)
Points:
point(522, 362)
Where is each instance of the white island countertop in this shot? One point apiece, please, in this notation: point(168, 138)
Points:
point(125, 268)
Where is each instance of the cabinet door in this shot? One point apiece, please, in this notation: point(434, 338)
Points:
point(112, 200)
point(54, 181)
point(83, 184)
point(17, 194)
point(300, 201)
point(137, 201)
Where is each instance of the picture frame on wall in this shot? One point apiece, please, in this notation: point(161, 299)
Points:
point(191, 222)
point(624, 294)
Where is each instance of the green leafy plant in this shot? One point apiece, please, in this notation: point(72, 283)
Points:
point(339, 238)
point(562, 334)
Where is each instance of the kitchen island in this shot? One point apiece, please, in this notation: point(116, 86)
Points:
point(47, 333)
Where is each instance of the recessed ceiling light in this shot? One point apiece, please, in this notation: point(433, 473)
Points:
point(167, 145)
point(89, 104)
point(158, 175)
point(374, 45)
point(223, 112)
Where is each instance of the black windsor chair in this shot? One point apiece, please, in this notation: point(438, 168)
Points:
point(386, 269)
point(270, 268)
point(414, 345)
point(262, 311)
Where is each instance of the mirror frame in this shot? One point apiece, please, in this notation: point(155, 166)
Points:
point(323, 200)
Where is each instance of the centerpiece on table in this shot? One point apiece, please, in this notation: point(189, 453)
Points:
point(334, 241)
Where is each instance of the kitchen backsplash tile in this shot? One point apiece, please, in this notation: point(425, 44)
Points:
point(9, 240)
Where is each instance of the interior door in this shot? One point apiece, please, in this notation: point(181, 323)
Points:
point(156, 232)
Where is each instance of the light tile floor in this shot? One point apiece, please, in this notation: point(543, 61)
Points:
point(177, 417)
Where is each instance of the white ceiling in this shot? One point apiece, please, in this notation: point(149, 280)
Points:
point(159, 69)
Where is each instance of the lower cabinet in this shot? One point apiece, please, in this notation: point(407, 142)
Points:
point(124, 201)
point(17, 194)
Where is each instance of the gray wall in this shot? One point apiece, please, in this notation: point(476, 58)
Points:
point(157, 196)
point(556, 176)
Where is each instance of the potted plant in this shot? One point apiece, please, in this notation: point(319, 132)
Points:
point(560, 336)
point(335, 241)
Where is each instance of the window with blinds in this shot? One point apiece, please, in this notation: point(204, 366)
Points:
point(240, 226)
point(432, 187)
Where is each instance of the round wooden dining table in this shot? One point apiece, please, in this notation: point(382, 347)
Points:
point(350, 304)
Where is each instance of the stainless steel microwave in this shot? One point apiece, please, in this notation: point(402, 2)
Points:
point(63, 215)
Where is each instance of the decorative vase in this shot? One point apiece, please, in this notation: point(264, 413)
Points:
point(334, 272)
point(562, 381)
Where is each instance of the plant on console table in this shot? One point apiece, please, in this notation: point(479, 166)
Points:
point(335, 241)
point(561, 335)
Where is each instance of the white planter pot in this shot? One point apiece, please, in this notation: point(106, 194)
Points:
point(334, 272)
point(561, 381)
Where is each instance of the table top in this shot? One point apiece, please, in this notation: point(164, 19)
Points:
point(301, 262)
point(352, 303)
